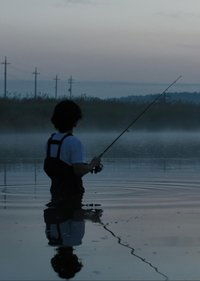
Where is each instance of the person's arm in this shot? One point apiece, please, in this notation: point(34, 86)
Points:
point(81, 169)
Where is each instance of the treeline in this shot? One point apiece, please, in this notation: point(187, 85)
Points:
point(34, 115)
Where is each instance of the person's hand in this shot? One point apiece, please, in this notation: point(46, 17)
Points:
point(96, 161)
point(98, 169)
point(96, 165)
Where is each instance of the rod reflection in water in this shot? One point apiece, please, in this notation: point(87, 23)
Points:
point(65, 229)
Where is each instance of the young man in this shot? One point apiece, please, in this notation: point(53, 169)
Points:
point(64, 162)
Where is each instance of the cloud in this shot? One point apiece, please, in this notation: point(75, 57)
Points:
point(66, 3)
point(190, 46)
point(73, 2)
point(178, 15)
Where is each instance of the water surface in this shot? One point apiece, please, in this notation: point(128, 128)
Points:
point(149, 194)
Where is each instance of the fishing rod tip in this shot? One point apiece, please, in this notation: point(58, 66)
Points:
point(179, 77)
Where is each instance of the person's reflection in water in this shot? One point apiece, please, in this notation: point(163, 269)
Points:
point(66, 263)
point(65, 228)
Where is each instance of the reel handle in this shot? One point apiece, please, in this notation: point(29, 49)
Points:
point(97, 169)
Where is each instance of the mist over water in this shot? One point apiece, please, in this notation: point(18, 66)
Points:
point(162, 144)
point(137, 159)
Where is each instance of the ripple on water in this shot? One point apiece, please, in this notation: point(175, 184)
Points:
point(112, 192)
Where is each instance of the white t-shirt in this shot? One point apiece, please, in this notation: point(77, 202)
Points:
point(71, 231)
point(71, 149)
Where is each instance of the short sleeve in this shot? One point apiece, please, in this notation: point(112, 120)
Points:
point(76, 152)
point(72, 151)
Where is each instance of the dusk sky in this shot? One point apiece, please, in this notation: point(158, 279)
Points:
point(126, 40)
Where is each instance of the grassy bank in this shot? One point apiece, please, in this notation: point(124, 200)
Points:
point(34, 115)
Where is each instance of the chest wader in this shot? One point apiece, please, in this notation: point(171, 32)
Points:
point(66, 186)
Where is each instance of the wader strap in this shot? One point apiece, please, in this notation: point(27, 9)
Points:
point(59, 232)
point(49, 145)
point(60, 144)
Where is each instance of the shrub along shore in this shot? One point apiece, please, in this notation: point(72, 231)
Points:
point(24, 115)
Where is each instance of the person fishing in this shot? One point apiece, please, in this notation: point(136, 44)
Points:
point(64, 162)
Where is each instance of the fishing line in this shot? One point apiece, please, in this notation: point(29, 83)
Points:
point(138, 117)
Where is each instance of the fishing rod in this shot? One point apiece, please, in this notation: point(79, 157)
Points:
point(139, 116)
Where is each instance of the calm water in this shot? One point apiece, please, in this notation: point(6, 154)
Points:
point(147, 198)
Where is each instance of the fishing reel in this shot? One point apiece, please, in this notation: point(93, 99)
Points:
point(97, 169)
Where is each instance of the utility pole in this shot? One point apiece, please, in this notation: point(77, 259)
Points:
point(56, 86)
point(70, 82)
point(5, 76)
point(35, 73)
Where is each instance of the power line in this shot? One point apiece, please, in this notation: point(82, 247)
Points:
point(5, 63)
point(20, 69)
point(26, 71)
point(13, 76)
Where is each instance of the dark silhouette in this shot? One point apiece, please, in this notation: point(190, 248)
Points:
point(66, 115)
point(64, 165)
point(65, 228)
point(66, 263)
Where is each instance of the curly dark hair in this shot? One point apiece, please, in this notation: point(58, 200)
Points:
point(66, 115)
